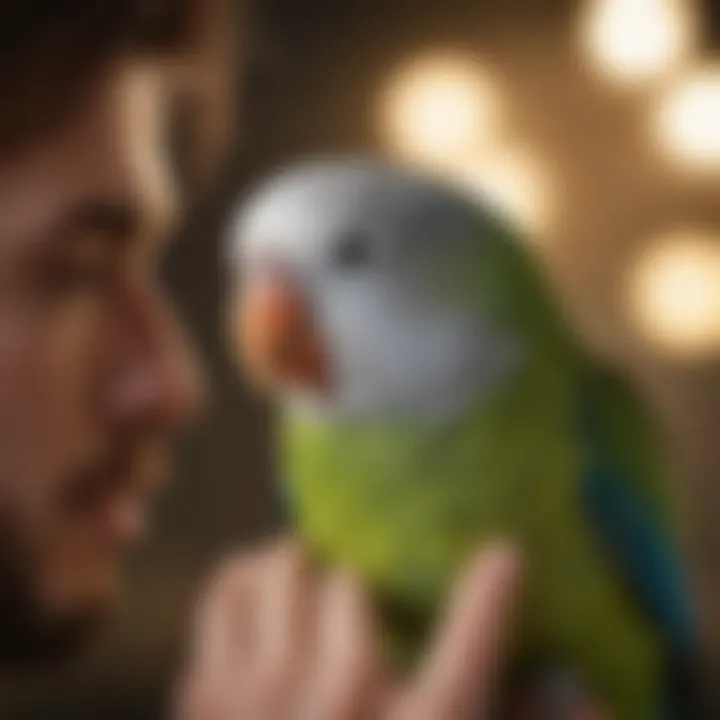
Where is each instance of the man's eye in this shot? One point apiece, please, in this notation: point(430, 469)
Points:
point(352, 252)
point(77, 277)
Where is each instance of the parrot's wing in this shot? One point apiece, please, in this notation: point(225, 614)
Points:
point(651, 568)
point(638, 546)
point(623, 494)
point(622, 473)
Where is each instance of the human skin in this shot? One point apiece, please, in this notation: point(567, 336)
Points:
point(275, 641)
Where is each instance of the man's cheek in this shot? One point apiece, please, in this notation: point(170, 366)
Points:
point(72, 380)
point(43, 426)
point(73, 348)
point(29, 443)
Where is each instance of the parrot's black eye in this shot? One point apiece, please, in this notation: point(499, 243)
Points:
point(352, 251)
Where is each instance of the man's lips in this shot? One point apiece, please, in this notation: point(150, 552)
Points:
point(113, 513)
point(113, 497)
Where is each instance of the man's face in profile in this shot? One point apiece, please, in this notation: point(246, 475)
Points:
point(93, 371)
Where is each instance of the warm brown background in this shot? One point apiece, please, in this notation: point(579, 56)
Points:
point(317, 65)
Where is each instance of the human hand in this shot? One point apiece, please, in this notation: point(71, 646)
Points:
point(276, 642)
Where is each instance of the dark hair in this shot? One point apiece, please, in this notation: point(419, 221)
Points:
point(51, 51)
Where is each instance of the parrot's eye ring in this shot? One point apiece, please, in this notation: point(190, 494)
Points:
point(352, 251)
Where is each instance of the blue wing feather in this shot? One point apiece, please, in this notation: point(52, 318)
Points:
point(626, 522)
point(645, 556)
point(649, 563)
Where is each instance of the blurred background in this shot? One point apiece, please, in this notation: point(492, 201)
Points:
point(595, 123)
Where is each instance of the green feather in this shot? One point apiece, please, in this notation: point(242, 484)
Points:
point(405, 505)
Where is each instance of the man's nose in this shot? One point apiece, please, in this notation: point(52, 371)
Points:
point(157, 377)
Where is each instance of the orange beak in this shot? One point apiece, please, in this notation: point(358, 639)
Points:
point(279, 343)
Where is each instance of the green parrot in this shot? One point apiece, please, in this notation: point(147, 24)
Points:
point(432, 398)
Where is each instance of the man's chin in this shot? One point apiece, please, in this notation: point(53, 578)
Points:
point(32, 637)
point(35, 635)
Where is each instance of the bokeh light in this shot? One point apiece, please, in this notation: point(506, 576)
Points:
point(675, 293)
point(688, 121)
point(439, 107)
point(518, 182)
point(633, 41)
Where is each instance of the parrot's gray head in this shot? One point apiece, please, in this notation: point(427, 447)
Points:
point(348, 294)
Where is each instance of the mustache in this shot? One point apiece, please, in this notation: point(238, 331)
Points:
point(131, 465)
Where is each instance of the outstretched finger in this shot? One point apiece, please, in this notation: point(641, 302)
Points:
point(460, 675)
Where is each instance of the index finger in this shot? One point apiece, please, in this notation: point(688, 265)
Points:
point(226, 613)
point(458, 678)
point(215, 628)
